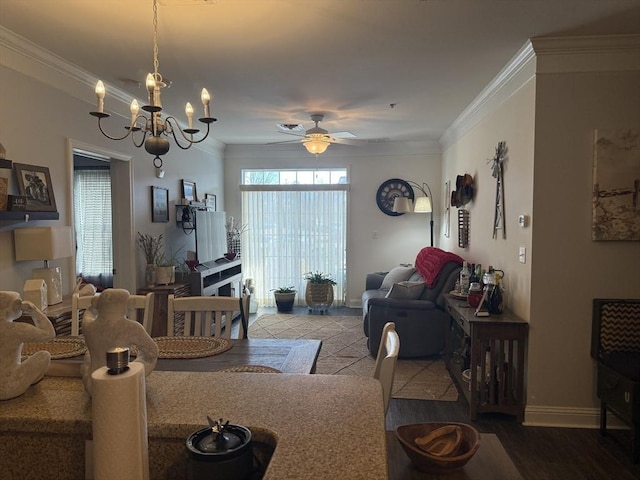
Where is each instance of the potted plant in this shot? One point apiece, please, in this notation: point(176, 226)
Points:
point(150, 247)
point(235, 229)
point(319, 291)
point(166, 264)
point(285, 297)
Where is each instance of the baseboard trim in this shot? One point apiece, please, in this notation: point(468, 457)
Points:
point(568, 417)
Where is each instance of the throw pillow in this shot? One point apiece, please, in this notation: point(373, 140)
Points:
point(406, 290)
point(397, 274)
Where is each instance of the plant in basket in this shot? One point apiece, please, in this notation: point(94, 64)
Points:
point(319, 291)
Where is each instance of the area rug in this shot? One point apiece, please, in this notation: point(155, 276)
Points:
point(344, 352)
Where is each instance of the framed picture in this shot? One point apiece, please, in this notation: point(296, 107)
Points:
point(211, 202)
point(34, 182)
point(189, 190)
point(616, 185)
point(159, 204)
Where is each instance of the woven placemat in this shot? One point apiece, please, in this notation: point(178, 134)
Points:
point(249, 369)
point(191, 347)
point(59, 348)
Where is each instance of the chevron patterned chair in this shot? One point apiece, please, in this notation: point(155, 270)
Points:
point(615, 345)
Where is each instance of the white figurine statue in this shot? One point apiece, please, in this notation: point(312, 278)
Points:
point(111, 328)
point(16, 376)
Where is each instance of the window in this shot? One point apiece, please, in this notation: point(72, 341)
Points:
point(92, 210)
point(296, 224)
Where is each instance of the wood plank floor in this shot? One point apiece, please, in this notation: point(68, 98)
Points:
point(539, 453)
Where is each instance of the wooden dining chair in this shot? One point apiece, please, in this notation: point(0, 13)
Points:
point(386, 361)
point(136, 303)
point(141, 304)
point(201, 313)
point(79, 303)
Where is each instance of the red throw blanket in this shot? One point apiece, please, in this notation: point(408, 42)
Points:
point(430, 261)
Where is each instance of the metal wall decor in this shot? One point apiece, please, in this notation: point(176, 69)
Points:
point(463, 228)
point(447, 209)
point(497, 171)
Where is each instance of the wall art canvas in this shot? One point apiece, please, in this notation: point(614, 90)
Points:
point(616, 185)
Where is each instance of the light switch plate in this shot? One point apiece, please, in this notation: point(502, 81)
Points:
point(522, 255)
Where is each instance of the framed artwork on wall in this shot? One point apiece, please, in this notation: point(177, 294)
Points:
point(211, 202)
point(159, 204)
point(616, 185)
point(189, 191)
point(34, 182)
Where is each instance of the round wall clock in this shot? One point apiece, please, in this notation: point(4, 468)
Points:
point(388, 191)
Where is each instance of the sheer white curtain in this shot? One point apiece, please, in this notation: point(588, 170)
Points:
point(92, 215)
point(293, 230)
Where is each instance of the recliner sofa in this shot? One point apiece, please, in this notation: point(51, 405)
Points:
point(417, 310)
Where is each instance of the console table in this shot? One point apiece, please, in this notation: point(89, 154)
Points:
point(216, 278)
point(493, 350)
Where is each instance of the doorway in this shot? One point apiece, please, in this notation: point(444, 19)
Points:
point(121, 200)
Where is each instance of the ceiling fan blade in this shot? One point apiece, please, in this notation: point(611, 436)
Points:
point(283, 142)
point(347, 141)
point(292, 134)
point(342, 135)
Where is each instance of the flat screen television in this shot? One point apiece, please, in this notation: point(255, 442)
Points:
point(211, 235)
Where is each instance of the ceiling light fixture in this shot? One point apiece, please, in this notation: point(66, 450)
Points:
point(317, 139)
point(155, 127)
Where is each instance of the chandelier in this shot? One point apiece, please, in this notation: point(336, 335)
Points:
point(154, 129)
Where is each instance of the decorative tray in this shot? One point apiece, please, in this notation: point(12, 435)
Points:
point(458, 295)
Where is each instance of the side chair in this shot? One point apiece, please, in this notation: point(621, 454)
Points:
point(201, 313)
point(386, 361)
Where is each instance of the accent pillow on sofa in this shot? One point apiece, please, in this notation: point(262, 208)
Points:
point(406, 290)
point(396, 275)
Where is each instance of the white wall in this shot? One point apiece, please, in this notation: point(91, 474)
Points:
point(548, 121)
point(399, 239)
point(575, 95)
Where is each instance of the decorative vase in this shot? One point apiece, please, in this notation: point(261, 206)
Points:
point(165, 275)
point(284, 301)
point(319, 296)
point(150, 275)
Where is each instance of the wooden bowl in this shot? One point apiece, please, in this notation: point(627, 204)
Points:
point(426, 462)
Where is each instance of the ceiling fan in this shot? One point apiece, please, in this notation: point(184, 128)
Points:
point(316, 139)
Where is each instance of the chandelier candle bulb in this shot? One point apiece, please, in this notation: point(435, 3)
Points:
point(151, 87)
point(134, 108)
point(206, 98)
point(188, 109)
point(100, 91)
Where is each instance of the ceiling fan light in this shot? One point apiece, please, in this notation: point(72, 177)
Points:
point(316, 144)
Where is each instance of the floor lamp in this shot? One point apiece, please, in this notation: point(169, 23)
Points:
point(422, 205)
point(45, 244)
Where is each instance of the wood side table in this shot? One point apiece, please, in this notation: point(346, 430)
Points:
point(493, 349)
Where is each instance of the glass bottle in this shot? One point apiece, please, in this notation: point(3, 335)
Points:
point(464, 279)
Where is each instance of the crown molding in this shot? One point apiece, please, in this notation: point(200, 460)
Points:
point(519, 70)
point(31, 60)
point(546, 55)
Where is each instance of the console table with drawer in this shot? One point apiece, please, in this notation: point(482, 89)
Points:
point(488, 353)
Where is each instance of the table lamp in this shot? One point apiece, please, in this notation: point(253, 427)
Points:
point(45, 243)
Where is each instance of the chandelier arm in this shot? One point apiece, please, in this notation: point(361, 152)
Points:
point(175, 126)
point(109, 136)
point(133, 139)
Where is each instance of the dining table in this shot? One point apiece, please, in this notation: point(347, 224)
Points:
point(261, 355)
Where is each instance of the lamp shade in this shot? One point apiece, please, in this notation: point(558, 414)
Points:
point(42, 243)
point(402, 205)
point(423, 205)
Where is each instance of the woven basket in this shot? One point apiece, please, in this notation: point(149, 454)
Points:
point(319, 295)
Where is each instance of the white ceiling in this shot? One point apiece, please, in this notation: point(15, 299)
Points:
point(278, 61)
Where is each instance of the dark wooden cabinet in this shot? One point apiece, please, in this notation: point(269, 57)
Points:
point(486, 357)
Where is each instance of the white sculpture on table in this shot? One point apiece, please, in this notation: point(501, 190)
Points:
point(15, 375)
point(106, 326)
